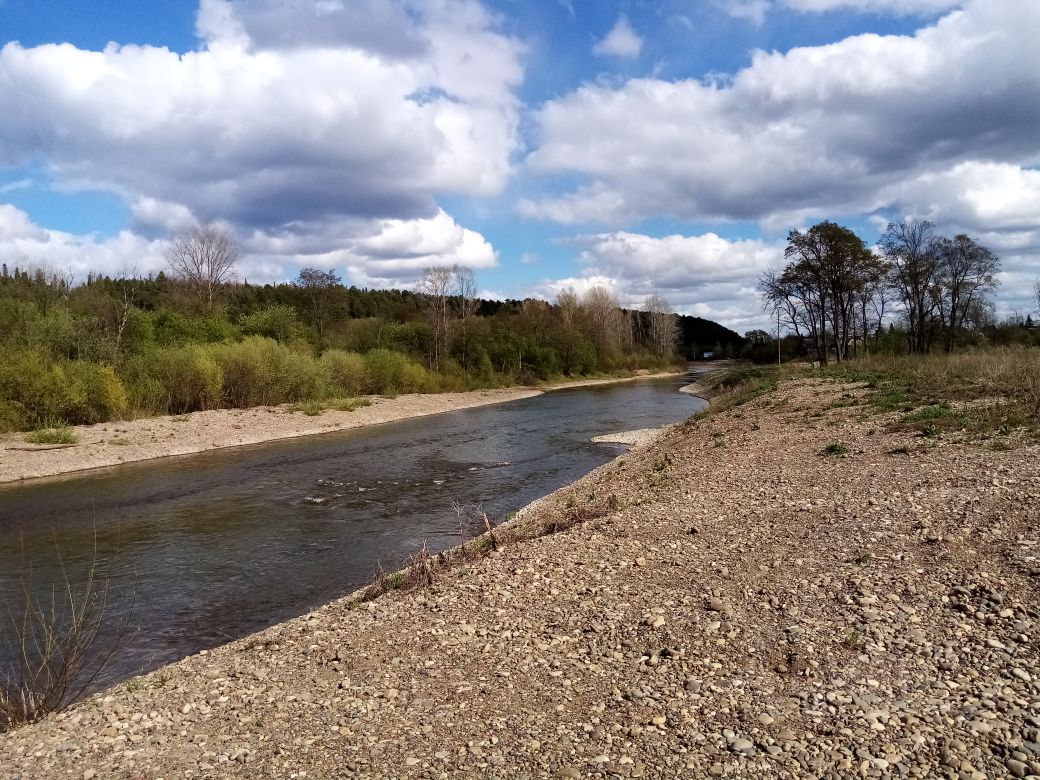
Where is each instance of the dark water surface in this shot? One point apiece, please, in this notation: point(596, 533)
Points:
point(202, 549)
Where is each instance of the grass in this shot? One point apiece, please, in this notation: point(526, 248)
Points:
point(836, 448)
point(314, 408)
point(55, 433)
point(983, 391)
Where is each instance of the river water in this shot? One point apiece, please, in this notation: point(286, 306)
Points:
point(201, 549)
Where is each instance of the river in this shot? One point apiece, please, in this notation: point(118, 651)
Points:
point(198, 550)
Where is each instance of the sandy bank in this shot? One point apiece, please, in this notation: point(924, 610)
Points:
point(115, 443)
point(748, 605)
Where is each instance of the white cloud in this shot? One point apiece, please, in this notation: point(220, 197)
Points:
point(705, 275)
point(810, 133)
point(757, 10)
point(390, 253)
point(290, 111)
point(622, 41)
point(26, 244)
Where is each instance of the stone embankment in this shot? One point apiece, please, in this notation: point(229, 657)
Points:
point(760, 604)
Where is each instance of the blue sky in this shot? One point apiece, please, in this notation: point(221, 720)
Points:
point(652, 147)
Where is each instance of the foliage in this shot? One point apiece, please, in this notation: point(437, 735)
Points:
point(57, 434)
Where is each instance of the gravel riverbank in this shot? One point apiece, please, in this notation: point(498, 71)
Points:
point(755, 606)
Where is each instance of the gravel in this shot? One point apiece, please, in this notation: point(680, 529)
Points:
point(753, 608)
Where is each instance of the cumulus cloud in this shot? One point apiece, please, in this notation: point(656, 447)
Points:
point(28, 245)
point(622, 41)
point(289, 111)
point(389, 253)
point(808, 133)
point(704, 275)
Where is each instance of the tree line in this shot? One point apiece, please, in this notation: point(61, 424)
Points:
point(835, 293)
point(192, 337)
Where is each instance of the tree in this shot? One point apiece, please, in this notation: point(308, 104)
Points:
point(435, 285)
point(204, 257)
point(465, 290)
point(663, 325)
point(318, 286)
point(911, 250)
point(821, 289)
point(966, 276)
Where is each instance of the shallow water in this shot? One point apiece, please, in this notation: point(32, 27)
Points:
point(201, 549)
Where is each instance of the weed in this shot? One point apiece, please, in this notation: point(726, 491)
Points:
point(347, 404)
point(900, 450)
point(58, 433)
point(836, 448)
point(309, 408)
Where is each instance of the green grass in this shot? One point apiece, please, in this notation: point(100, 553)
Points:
point(983, 391)
point(55, 434)
point(347, 404)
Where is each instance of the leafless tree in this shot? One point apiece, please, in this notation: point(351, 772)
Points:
point(319, 286)
point(1036, 292)
point(203, 256)
point(435, 285)
point(466, 302)
point(605, 323)
point(662, 323)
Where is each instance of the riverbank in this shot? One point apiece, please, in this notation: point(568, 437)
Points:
point(796, 587)
point(115, 443)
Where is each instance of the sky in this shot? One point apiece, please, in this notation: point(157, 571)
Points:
point(652, 147)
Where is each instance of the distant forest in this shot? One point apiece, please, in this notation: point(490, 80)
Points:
point(86, 351)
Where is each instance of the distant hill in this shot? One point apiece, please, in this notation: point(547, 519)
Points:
point(699, 335)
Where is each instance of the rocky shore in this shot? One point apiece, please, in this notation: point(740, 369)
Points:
point(795, 588)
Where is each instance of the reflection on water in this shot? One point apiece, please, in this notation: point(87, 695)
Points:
point(212, 546)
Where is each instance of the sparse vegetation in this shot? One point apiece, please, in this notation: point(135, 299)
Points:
point(56, 433)
point(836, 448)
point(57, 646)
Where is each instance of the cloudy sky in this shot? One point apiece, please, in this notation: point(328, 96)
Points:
point(660, 147)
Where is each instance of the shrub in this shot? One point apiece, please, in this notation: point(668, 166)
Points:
point(12, 417)
point(388, 373)
point(190, 378)
point(344, 371)
point(259, 371)
point(35, 388)
point(275, 322)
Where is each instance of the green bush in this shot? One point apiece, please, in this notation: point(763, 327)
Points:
point(260, 372)
point(190, 378)
point(389, 373)
point(344, 372)
point(12, 417)
point(274, 322)
point(34, 388)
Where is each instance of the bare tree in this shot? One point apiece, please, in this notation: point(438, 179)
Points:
point(605, 323)
point(319, 286)
point(204, 257)
point(966, 276)
point(465, 291)
point(435, 285)
point(1036, 292)
point(662, 324)
point(910, 249)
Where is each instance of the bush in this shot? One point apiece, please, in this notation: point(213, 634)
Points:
point(259, 371)
point(190, 378)
point(275, 322)
point(388, 373)
point(34, 388)
point(344, 371)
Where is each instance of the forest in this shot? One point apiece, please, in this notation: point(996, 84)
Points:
point(193, 338)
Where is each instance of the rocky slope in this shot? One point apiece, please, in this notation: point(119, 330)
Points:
point(756, 606)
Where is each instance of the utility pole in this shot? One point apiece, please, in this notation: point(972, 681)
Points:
point(778, 336)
